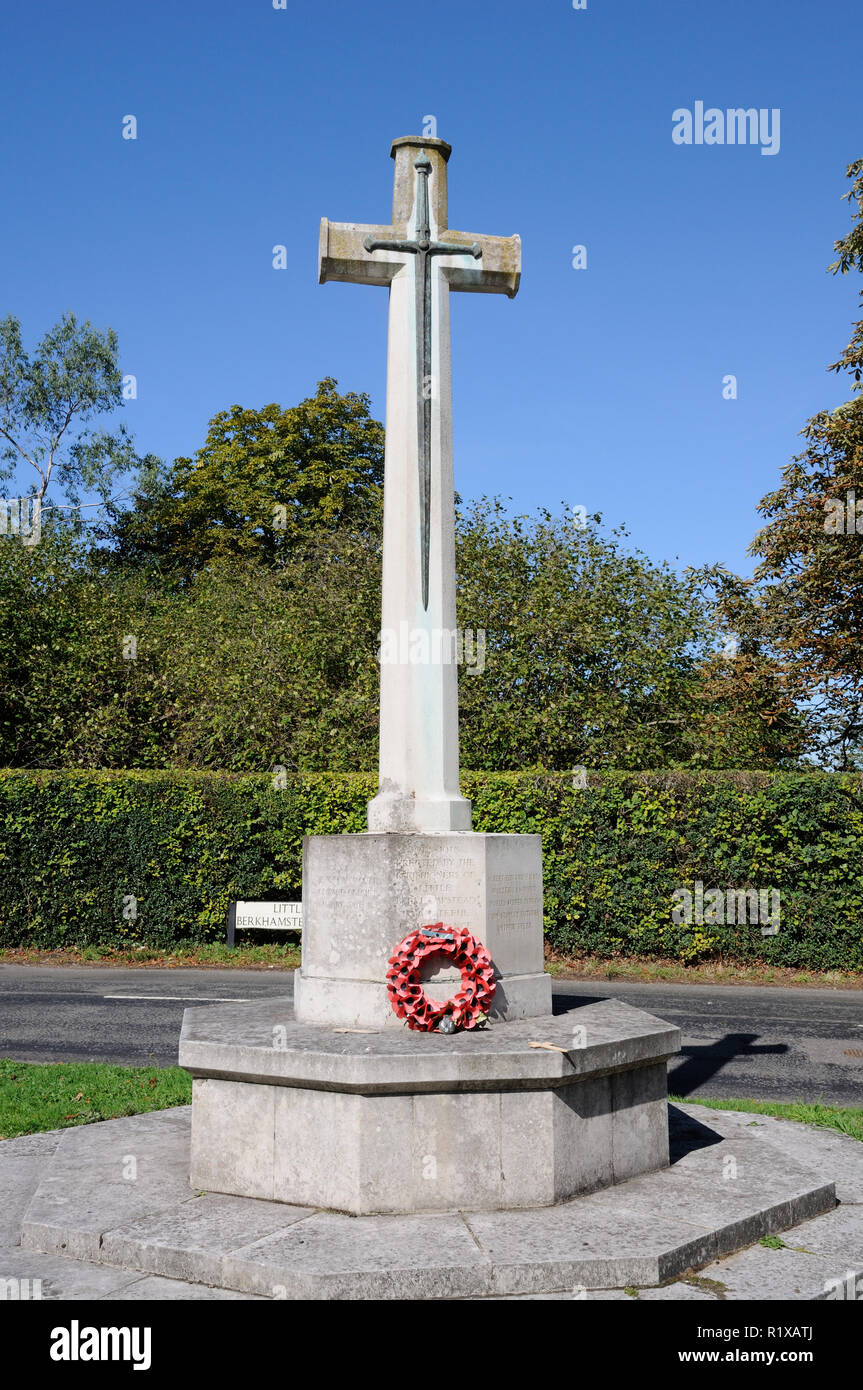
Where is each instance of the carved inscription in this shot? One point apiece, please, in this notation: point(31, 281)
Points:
point(351, 896)
point(515, 901)
point(446, 886)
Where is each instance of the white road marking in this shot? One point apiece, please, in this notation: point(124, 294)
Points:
point(182, 998)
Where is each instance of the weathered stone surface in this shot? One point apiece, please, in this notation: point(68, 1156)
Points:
point(84, 1189)
point(20, 1180)
point(190, 1241)
point(363, 893)
point(33, 1145)
point(388, 1122)
point(837, 1154)
point(639, 1141)
point(560, 1296)
point(589, 1245)
point(346, 1152)
point(738, 1188)
point(386, 1153)
point(263, 1042)
point(642, 1232)
point(838, 1234)
point(419, 765)
point(679, 1291)
point(582, 1129)
point(51, 1277)
point(332, 1257)
point(155, 1290)
point(233, 1137)
point(761, 1273)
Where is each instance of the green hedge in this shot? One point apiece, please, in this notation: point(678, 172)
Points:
point(75, 847)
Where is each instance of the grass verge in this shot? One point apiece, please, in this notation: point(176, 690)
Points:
point(35, 1096)
point(846, 1119)
point(652, 971)
point(186, 955)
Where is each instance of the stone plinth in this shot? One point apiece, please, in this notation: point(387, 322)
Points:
point(363, 893)
point(394, 1121)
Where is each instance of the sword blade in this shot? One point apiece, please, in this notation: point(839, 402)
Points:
point(424, 384)
point(423, 316)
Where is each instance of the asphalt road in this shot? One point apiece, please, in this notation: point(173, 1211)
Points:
point(738, 1041)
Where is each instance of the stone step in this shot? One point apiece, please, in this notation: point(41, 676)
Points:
point(722, 1193)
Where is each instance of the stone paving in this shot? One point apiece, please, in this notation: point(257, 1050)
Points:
point(73, 1218)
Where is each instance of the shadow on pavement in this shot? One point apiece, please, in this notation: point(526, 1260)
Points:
point(700, 1062)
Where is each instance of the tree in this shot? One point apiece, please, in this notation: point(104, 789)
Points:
point(71, 692)
point(805, 604)
point(48, 400)
point(263, 482)
point(245, 666)
point(576, 652)
point(593, 656)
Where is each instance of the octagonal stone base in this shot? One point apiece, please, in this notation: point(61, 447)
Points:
point(389, 1122)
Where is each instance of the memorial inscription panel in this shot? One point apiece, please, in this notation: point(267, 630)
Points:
point(364, 893)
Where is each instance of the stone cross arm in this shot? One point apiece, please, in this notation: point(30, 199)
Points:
point(342, 255)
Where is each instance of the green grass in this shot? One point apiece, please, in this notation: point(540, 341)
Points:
point(59, 1095)
point(846, 1119)
point(52, 1095)
point(651, 970)
point(184, 955)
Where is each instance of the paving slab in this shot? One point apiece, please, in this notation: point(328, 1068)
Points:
point(564, 1296)
point(24, 1160)
point(33, 1145)
point(380, 1257)
point(190, 1240)
point(107, 1174)
point(582, 1244)
point(669, 1292)
point(838, 1234)
point(676, 1292)
point(20, 1180)
point(824, 1149)
point(152, 1289)
point(58, 1277)
point(736, 1187)
point(790, 1273)
point(155, 1233)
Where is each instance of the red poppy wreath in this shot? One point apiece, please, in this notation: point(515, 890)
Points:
point(469, 1007)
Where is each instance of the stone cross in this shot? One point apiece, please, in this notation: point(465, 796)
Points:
point(420, 260)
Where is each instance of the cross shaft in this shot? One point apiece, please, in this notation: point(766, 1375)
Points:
point(420, 260)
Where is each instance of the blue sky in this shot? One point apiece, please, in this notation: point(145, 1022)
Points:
point(600, 387)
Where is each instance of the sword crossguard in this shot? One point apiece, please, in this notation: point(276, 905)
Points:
point(434, 248)
point(446, 248)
